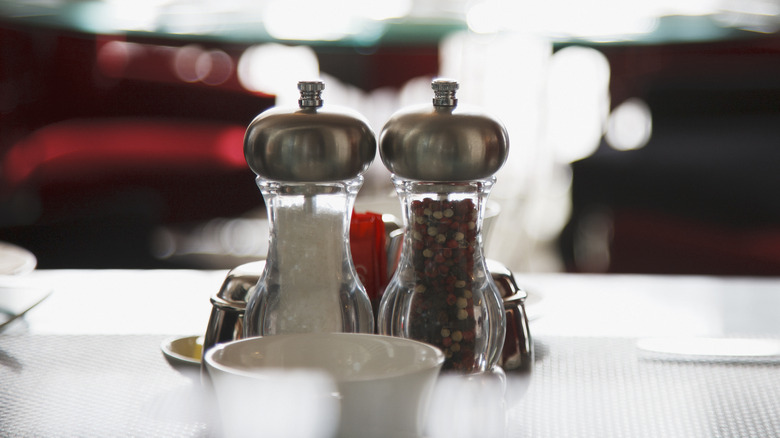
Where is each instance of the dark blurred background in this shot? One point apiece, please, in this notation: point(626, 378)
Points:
point(121, 141)
point(701, 195)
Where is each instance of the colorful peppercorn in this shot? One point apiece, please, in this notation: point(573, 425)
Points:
point(443, 271)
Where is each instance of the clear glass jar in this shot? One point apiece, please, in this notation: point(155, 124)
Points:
point(309, 283)
point(442, 292)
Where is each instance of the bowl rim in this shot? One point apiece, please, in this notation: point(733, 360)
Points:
point(167, 346)
point(211, 363)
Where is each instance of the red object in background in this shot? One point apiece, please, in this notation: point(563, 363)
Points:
point(76, 149)
point(186, 170)
point(367, 241)
point(644, 241)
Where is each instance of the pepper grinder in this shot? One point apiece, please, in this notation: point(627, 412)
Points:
point(443, 160)
point(309, 163)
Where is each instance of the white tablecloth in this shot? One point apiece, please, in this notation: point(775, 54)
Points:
point(86, 362)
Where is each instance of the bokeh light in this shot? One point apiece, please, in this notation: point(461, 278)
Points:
point(276, 69)
point(630, 125)
point(184, 63)
point(114, 57)
point(578, 102)
point(306, 20)
point(214, 67)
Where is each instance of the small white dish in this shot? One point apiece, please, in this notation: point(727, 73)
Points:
point(183, 351)
point(15, 260)
point(295, 385)
point(710, 349)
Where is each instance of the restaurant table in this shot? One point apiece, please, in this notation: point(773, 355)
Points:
point(86, 362)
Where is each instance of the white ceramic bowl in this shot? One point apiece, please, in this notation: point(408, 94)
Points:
point(297, 384)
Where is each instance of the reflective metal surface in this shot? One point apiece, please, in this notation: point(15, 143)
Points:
point(311, 143)
point(518, 353)
point(226, 322)
point(443, 142)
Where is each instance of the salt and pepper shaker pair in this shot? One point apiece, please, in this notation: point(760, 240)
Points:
point(309, 163)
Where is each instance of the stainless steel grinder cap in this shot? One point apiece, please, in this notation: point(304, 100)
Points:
point(443, 142)
point(310, 143)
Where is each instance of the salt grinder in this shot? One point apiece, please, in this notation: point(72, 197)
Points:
point(309, 163)
point(443, 160)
